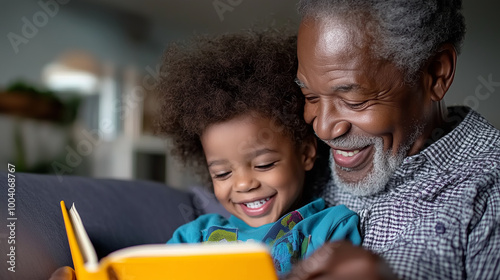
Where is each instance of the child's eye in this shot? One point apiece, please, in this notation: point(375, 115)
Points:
point(221, 175)
point(265, 166)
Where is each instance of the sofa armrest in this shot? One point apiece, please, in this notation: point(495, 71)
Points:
point(116, 214)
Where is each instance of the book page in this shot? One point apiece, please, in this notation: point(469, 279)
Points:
point(86, 247)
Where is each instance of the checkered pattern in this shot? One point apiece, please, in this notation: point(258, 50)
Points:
point(439, 215)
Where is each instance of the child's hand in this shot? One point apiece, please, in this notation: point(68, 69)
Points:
point(63, 273)
point(341, 260)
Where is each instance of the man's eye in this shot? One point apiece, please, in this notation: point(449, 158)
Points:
point(311, 98)
point(265, 166)
point(356, 105)
point(221, 175)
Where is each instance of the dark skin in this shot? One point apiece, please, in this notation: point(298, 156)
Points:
point(63, 273)
point(388, 108)
point(349, 92)
point(352, 263)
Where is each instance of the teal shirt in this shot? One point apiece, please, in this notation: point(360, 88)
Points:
point(293, 237)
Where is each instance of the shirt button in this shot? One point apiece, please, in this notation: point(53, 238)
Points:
point(440, 228)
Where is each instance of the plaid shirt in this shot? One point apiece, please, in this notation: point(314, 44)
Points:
point(439, 215)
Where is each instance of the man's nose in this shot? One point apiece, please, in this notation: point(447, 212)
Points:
point(244, 181)
point(327, 122)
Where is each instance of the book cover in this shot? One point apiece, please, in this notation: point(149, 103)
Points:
point(161, 261)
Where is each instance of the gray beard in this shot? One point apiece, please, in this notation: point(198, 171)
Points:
point(384, 163)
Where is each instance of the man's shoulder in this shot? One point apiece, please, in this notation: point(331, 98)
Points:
point(474, 128)
point(478, 149)
point(473, 145)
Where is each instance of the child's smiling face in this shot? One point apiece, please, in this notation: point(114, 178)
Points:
point(257, 171)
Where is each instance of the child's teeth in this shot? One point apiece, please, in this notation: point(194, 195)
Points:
point(257, 204)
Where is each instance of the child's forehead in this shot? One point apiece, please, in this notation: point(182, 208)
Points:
point(265, 123)
point(246, 131)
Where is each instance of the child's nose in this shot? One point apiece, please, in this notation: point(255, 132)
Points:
point(245, 182)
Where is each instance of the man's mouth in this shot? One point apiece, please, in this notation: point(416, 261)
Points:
point(347, 154)
point(352, 159)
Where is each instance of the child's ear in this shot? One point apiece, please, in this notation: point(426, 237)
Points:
point(309, 148)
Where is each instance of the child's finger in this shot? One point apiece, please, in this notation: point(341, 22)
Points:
point(63, 273)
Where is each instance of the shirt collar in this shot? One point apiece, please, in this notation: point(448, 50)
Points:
point(465, 141)
point(306, 210)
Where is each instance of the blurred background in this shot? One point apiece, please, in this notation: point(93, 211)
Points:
point(76, 77)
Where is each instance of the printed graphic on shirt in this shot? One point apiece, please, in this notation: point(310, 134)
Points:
point(221, 234)
point(287, 245)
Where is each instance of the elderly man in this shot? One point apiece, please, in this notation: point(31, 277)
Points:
point(425, 179)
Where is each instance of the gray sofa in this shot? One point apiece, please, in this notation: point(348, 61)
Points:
point(116, 214)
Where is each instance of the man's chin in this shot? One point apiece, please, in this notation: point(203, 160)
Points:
point(369, 181)
point(371, 178)
point(363, 187)
point(350, 175)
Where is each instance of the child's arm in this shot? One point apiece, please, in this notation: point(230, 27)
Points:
point(347, 227)
point(331, 224)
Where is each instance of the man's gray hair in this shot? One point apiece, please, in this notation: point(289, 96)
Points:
point(406, 32)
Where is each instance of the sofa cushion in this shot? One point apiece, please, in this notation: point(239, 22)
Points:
point(116, 214)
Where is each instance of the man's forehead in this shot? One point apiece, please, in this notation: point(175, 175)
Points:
point(324, 34)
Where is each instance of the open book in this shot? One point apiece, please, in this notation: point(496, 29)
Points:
point(161, 261)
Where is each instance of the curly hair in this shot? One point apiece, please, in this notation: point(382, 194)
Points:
point(209, 80)
point(407, 32)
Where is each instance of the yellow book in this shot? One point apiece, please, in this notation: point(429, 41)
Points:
point(160, 261)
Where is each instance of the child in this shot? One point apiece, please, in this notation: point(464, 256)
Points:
point(231, 107)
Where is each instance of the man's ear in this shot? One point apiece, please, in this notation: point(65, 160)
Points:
point(441, 71)
point(309, 149)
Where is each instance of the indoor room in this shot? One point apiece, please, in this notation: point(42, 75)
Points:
point(387, 128)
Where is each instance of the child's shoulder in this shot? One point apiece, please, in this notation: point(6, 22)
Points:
point(211, 219)
point(317, 215)
point(192, 232)
point(318, 207)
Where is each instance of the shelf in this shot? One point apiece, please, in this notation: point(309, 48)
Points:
point(150, 144)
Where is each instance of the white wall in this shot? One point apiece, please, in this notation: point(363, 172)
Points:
point(101, 32)
point(105, 32)
point(73, 26)
point(480, 59)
